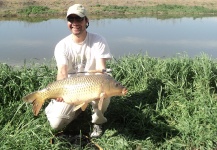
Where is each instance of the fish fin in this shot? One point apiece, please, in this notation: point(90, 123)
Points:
point(100, 104)
point(78, 106)
point(30, 97)
point(84, 106)
point(37, 104)
point(37, 101)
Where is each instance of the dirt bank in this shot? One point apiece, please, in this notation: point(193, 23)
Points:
point(11, 6)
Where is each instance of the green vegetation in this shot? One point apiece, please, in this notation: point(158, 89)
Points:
point(158, 9)
point(171, 104)
point(107, 10)
point(36, 10)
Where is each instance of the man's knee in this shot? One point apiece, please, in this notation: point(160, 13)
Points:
point(58, 123)
point(59, 114)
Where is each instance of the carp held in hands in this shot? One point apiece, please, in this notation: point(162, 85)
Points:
point(78, 90)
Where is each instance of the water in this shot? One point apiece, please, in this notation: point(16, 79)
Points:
point(21, 40)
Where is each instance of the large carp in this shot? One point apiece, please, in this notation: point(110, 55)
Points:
point(78, 91)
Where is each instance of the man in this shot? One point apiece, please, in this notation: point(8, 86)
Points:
point(79, 52)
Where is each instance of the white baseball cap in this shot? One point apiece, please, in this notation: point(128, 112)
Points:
point(77, 9)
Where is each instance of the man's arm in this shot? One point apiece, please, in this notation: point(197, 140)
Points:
point(101, 63)
point(62, 72)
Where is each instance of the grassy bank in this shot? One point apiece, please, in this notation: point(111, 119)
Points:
point(108, 10)
point(157, 9)
point(171, 104)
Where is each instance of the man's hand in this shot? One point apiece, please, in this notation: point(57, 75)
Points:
point(59, 99)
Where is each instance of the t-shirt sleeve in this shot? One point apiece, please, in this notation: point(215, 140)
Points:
point(102, 49)
point(60, 54)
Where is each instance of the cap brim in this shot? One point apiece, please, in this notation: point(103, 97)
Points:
point(80, 15)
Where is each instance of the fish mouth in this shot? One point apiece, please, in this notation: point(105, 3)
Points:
point(124, 91)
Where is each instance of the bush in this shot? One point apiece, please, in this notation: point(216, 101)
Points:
point(34, 10)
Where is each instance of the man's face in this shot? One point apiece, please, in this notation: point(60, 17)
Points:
point(76, 24)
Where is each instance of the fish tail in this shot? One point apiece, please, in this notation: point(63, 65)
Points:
point(37, 100)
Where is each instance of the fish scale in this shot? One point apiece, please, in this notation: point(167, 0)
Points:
point(78, 91)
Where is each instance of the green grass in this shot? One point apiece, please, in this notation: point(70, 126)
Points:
point(158, 9)
point(171, 104)
point(114, 10)
point(36, 10)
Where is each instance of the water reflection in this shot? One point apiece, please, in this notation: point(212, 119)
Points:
point(162, 37)
point(22, 40)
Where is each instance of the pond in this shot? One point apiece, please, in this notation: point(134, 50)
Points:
point(20, 40)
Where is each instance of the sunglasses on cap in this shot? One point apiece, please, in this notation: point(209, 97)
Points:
point(77, 19)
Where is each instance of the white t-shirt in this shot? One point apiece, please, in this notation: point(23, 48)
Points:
point(81, 57)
